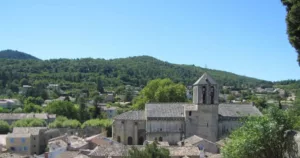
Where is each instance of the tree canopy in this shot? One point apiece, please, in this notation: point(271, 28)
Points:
point(160, 90)
point(62, 108)
point(30, 122)
point(4, 127)
point(293, 23)
point(266, 136)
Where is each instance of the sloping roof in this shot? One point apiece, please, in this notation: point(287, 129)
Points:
point(68, 154)
point(165, 110)
point(113, 150)
point(30, 130)
point(18, 116)
point(18, 135)
point(184, 151)
point(193, 140)
point(131, 115)
point(238, 110)
point(205, 79)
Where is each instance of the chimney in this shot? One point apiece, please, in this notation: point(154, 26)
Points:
point(46, 154)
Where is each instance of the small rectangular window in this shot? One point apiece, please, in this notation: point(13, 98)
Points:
point(23, 140)
point(190, 113)
point(12, 140)
point(25, 148)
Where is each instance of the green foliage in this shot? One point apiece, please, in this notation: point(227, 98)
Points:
point(230, 97)
point(29, 108)
point(71, 124)
point(3, 110)
point(18, 110)
point(160, 90)
point(33, 100)
point(95, 74)
point(97, 123)
point(4, 127)
point(62, 108)
point(259, 102)
point(151, 151)
point(63, 122)
point(293, 23)
point(29, 122)
point(264, 137)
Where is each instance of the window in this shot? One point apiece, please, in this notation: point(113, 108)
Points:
point(23, 140)
point(119, 139)
point(25, 148)
point(160, 139)
point(33, 138)
point(190, 113)
point(212, 94)
point(34, 146)
point(12, 140)
point(161, 129)
point(12, 148)
point(129, 140)
point(204, 94)
point(207, 124)
point(141, 140)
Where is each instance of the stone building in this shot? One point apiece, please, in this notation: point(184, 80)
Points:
point(173, 122)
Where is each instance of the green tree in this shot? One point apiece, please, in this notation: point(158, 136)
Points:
point(71, 124)
point(160, 90)
point(293, 23)
point(230, 97)
point(82, 109)
point(62, 108)
point(4, 127)
point(151, 151)
point(29, 108)
point(29, 122)
point(264, 137)
point(97, 111)
point(33, 100)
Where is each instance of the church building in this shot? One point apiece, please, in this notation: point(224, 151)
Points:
point(173, 122)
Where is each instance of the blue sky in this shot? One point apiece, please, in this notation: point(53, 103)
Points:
point(246, 37)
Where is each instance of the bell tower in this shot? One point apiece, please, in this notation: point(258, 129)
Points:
point(203, 122)
point(205, 91)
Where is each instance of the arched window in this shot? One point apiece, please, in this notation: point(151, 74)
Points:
point(160, 139)
point(204, 94)
point(119, 139)
point(141, 140)
point(129, 141)
point(212, 94)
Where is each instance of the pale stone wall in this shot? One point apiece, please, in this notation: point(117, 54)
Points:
point(203, 123)
point(170, 130)
point(124, 129)
point(228, 125)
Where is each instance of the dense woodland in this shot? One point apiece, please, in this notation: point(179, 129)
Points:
point(75, 75)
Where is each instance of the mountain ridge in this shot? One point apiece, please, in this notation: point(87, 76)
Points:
point(134, 70)
point(14, 54)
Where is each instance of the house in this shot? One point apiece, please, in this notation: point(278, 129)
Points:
point(110, 111)
point(109, 98)
point(7, 103)
point(56, 147)
point(27, 140)
point(97, 140)
point(206, 145)
point(173, 122)
point(12, 117)
point(74, 143)
point(53, 86)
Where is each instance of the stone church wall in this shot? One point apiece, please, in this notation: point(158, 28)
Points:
point(227, 126)
point(129, 132)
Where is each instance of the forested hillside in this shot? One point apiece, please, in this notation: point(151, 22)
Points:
point(91, 74)
point(13, 54)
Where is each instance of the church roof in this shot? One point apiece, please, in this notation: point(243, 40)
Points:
point(238, 110)
point(165, 110)
point(205, 79)
point(131, 115)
